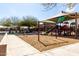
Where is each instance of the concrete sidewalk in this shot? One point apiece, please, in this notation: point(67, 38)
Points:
point(17, 47)
point(68, 50)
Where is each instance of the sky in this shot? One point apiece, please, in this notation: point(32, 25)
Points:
point(31, 9)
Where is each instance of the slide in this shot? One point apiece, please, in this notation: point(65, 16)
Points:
point(51, 29)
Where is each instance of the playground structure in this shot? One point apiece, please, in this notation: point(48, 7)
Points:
point(59, 28)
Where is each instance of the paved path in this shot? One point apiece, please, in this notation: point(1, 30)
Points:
point(1, 36)
point(69, 50)
point(17, 47)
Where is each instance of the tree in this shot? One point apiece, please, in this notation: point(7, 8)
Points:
point(30, 21)
point(11, 21)
point(14, 20)
point(21, 23)
point(49, 6)
point(7, 22)
point(70, 5)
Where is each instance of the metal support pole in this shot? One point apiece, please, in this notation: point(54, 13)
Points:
point(44, 27)
point(56, 31)
point(76, 25)
point(38, 32)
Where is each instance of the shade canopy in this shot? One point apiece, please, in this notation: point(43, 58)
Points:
point(2, 26)
point(59, 15)
point(58, 18)
point(61, 19)
point(47, 21)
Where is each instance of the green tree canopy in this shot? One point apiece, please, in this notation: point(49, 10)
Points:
point(14, 20)
point(29, 21)
point(7, 22)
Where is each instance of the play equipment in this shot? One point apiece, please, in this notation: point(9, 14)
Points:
point(61, 27)
point(58, 25)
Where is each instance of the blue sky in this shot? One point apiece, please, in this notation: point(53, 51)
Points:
point(36, 10)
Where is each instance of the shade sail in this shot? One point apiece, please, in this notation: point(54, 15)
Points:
point(2, 26)
point(61, 19)
point(58, 16)
point(47, 21)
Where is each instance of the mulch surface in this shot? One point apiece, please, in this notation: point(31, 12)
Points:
point(47, 42)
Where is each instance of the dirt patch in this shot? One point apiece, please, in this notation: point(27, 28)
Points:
point(47, 42)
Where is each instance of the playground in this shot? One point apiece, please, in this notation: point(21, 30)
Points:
point(39, 30)
point(47, 42)
point(55, 33)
